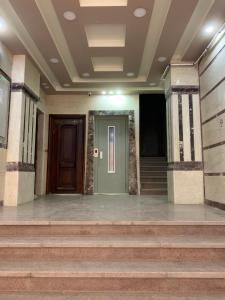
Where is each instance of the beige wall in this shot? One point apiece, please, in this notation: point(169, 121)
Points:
point(6, 59)
point(212, 86)
point(81, 104)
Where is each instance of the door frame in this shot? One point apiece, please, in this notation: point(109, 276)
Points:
point(52, 117)
point(132, 156)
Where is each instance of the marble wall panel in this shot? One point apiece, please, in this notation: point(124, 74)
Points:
point(214, 188)
point(213, 103)
point(213, 74)
point(214, 160)
point(213, 132)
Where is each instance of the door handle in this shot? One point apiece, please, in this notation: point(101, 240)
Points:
point(101, 154)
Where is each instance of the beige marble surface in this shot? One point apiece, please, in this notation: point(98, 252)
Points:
point(106, 209)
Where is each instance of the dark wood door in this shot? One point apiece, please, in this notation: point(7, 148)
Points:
point(66, 154)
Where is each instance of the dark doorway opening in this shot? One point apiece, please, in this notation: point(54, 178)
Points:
point(153, 146)
point(66, 154)
point(153, 125)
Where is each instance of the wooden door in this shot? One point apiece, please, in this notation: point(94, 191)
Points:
point(66, 154)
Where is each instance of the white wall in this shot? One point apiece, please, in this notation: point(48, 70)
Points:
point(81, 104)
point(212, 86)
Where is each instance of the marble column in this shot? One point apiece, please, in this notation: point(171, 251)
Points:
point(19, 182)
point(185, 168)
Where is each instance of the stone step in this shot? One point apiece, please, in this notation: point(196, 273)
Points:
point(154, 179)
point(111, 296)
point(145, 173)
point(147, 158)
point(154, 191)
point(153, 185)
point(131, 247)
point(153, 168)
point(153, 163)
point(149, 276)
point(96, 228)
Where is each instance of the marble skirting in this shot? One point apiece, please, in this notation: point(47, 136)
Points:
point(132, 165)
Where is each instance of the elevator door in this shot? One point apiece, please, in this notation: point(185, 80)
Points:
point(111, 154)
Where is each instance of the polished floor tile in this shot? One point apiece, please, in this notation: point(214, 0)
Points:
point(112, 208)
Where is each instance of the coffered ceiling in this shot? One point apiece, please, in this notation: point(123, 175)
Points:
point(90, 45)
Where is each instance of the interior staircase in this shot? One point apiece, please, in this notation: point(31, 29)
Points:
point(120, 260)
point(153, 172)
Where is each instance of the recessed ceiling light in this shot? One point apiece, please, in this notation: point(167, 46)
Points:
point(54, 60)
point(162, 59)
point(86, 75)
point(130, 74)
point(209, 29)
point(46, 87)
point(111, 93)
point(2, 24)
point(44, 83)
point(103, 92)
point(152, 84)
point(140, 12)
point(66, 84)
point(69, 15)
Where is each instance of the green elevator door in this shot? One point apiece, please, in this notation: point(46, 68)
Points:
point(110, 155)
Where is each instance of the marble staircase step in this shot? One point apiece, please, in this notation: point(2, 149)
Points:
point(32, 276)
point(153, 185)
point(22, 229)
point(111, 296)
point(153, 168)
point(133, 247)
point(145, 173)
point(154, 191)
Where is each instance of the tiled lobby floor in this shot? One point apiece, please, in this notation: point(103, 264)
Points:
point(108, 208)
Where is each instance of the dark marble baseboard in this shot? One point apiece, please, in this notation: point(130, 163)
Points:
point(215, 204)
point(185, 166)
point(19, 166)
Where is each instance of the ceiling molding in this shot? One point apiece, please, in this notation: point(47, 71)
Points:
point(15, 23)
point(50, 18)
point(156, 25)
point(194, 25)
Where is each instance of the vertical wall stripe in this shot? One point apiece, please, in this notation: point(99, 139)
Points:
point(34, 134)
point(168, 129)
point(25, 144)
point(175, 153)
point(191, 127)
point(197, 128)
point(30, 132)
point(186, 128)
point(24, 126)
point(180, 115)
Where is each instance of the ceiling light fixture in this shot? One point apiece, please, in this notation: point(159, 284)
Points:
point(111, 93)
point(54, 60)
point(103, 92)
point(162, 59)
point(2, 25)
point(66, 84)
point(209, 29)
point(152, 84)
point(69, 15)
point(46, 87)
point(86, 75)
point(130, 74)
point(118, 92)
point(140, 12)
